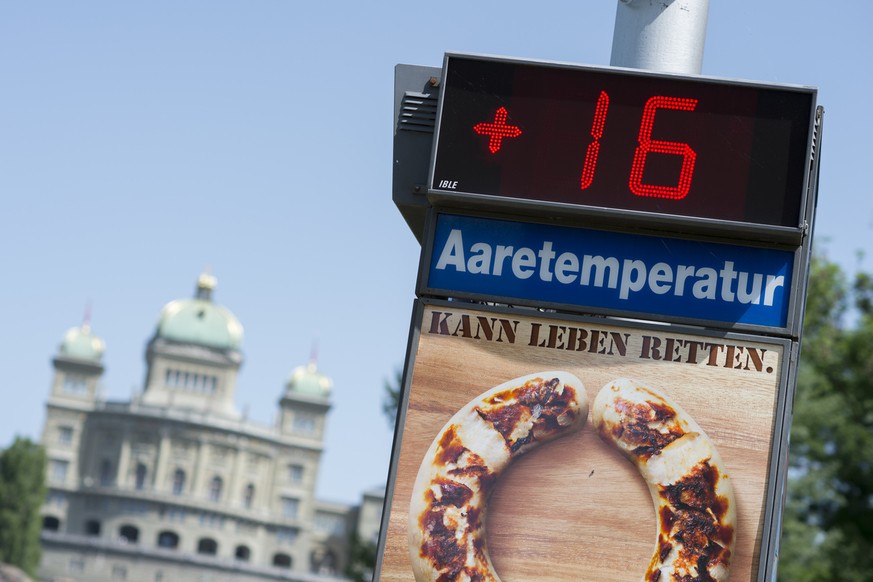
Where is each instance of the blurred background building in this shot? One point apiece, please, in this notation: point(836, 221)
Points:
point(176, 484)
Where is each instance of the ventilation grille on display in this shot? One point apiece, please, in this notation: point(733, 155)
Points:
point(418, 112)
point(816, 133)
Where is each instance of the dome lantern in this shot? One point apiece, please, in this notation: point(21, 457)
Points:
point(205, 285)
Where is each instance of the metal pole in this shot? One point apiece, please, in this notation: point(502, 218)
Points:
point(660, 35)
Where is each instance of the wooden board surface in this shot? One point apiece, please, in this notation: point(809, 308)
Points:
point(574, 508)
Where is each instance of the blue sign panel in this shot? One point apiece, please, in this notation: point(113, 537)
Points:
point(538, 263)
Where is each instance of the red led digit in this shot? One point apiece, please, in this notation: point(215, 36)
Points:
point(596, 133)
point(649, 145)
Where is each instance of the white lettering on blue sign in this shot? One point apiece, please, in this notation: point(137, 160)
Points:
point(620, 271)
point(629, 275)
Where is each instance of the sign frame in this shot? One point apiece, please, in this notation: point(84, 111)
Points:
point(796, 293)
point(793, 240)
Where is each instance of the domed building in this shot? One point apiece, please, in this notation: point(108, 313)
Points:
point(175, 484)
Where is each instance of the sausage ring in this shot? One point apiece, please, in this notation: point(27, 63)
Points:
point(692, 494)
point(447, 510)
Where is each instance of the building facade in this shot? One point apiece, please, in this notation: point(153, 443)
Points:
point(175, 484)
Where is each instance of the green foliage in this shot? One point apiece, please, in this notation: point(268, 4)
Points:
point(828, 525)
point(391, 397)
point(22, 491)
point(362, 559)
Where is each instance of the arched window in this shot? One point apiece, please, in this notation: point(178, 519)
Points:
point(51, 523)
point(249, 496)
point(207, 546)
point(215, 487)
point(92, 527)
point(243, 553)
point(178, 482)
point(282, 560)
point(168, 539)
point(129, 534)
point(141, 473)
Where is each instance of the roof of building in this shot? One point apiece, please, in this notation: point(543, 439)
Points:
point(80, 344)
point(308, 381)
point(200, 321)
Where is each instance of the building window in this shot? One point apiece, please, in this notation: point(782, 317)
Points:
point(97, 503)
point(323, 563)
point(58, 470)
point(213, 520)
point(51, 523)
point(290, 507)
point(249, 496)
point(330, 524)
point(55, 498)
point(242, 553)
point(175, 514)
point(119, 572)
point(215, 487)
point(207, 546)
point(129, 534)
point(286, 535)
point(135, 506)
point(76, 565)
point(92, 528)
point(295, 473)
point(178, 482)
point(106, 474)
point(65, 436)
point(303, 423)
point(75, 384)
point(141, 474)
point(282, 560)
point(168, 539)
point(191, 381)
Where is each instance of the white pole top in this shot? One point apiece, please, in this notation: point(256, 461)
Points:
point(660, 35)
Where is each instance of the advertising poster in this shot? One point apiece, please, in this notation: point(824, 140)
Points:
point(475, 477)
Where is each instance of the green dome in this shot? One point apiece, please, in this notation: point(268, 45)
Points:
point(80, 344)
point(200, 321)
point(308, 381)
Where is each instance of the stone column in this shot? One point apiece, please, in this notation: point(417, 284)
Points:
point(121, 480)
point(162, 462)
point(199, 470)
point(234, 496)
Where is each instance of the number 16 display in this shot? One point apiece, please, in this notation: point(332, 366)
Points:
point(624, 140)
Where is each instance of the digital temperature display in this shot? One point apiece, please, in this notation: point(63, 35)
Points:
point(618, 139)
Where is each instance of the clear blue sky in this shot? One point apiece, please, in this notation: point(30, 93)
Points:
point(142, 142)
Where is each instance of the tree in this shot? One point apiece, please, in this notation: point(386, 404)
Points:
point(22, 491)
point(362, 559)
point(828, 522)
point(391, 397)
point(362, 554)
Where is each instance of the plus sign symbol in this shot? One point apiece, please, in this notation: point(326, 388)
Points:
point(497, 130)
